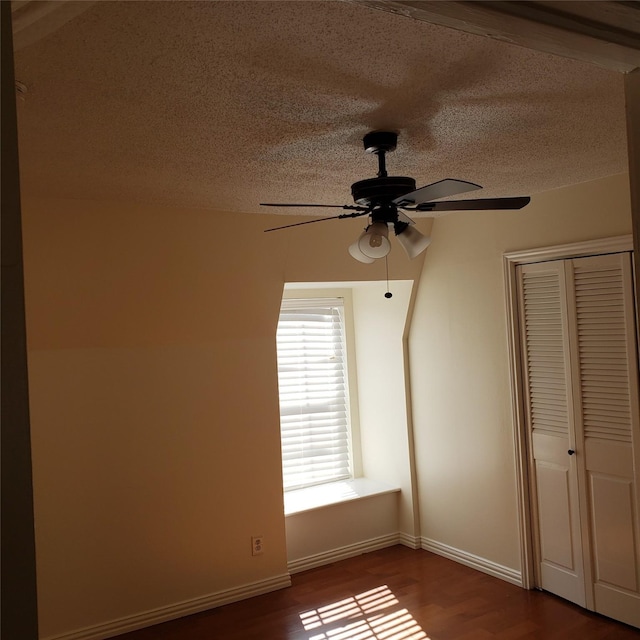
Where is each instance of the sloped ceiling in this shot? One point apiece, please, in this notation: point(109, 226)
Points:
point(222, 105)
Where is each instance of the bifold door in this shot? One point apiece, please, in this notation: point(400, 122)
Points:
point(581, 378)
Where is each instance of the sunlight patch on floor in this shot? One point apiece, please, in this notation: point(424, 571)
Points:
point(366, 616)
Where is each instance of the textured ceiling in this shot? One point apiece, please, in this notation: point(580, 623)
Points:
point(222, 105)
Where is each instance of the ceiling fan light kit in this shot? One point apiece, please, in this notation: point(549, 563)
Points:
point(411, 240)
point(385, 199)
point(356, 254)
point(374, 242)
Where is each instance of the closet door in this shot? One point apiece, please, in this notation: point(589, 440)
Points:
point(550, 425)
point(605, 391)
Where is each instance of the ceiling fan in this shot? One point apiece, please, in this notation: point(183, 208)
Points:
point(386, 198)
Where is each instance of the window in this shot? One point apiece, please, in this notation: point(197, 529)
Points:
point(314, 398)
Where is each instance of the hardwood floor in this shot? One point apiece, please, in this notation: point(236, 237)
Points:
point(394, 594)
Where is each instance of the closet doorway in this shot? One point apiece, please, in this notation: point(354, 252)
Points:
point(575, 388)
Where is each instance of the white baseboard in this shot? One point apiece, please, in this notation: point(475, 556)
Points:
point(188, 607)
point(348, 551)
point(171, 612)
point(475, 562)
point(413, 542)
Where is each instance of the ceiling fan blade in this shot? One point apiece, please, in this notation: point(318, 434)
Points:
point(327, 206)
point(435, 191)
point(481, 204)
point(342, 215)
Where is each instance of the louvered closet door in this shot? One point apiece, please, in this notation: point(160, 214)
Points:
point(606, 405)
point(545, 352)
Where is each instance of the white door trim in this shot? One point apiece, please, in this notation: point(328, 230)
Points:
point(510, 261)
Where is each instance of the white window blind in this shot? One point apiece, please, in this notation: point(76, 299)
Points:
point(312, 377)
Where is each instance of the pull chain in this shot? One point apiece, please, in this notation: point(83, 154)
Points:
point(386, 264)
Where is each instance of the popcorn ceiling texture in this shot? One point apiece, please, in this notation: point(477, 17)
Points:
point(222, 105)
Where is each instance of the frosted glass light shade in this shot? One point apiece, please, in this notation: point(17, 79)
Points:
point(374, 242)
point(413, 242)
point(354, 251)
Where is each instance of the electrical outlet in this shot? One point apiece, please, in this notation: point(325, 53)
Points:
point(257, 545)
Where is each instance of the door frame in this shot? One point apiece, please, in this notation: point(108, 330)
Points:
point(511, 261)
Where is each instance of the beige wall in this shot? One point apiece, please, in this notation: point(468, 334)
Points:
point(154, 398)
point(382, 387)
point(459, 361)
point(154, 389)
point(344, 525)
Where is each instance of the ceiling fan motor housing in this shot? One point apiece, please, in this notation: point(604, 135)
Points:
point(381, 190)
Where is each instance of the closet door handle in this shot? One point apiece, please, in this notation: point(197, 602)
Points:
point(571, 452)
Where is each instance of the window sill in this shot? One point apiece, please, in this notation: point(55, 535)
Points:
point(325, 495)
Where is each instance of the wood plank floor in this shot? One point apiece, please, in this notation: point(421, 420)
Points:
point(394, 594)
